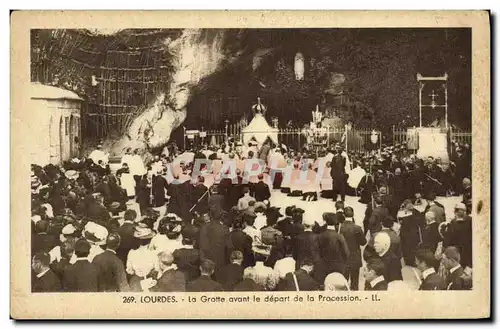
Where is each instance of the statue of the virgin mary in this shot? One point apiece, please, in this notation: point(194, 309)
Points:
point(259, 129)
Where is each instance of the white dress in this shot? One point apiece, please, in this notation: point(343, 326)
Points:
point(161, 243)
point(128, 183)
point(141, 261)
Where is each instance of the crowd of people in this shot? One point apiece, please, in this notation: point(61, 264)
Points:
point(152, 225)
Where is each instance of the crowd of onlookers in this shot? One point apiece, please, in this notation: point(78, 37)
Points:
point(150, 225)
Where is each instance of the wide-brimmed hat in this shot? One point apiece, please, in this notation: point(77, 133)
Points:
point(67, 230)
point(95, 233)
point(143, 232)
point(71, 174)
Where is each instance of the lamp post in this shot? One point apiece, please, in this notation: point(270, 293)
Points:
point(226, 128)
point(184, 128)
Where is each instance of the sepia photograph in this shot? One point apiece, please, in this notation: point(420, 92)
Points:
point(233, 165)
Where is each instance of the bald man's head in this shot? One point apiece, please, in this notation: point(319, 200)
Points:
point(430, 217)
point(166, 259)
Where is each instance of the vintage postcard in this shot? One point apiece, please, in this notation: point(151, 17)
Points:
point(250, 165)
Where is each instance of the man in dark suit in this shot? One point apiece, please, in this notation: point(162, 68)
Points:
point(204, 282)
point(232, 274)
point(379, 213)
point(145, 191)
point(288, 225)
point(82, 275)
point(67, 250)
point(215, 203)
point(45, 279)
point(395, 247)
point(426, 263)
point(170, 279)
point(187, 258)
point(333, 251)
point(430, 234)
point(374, 275)
point(242, 242)
point(307, 245)
point(126, 232)
point(110, 269)
point(95, 209)
point(339, 213)
point(355, 239)
point(215, 244)
point(199, 196)
point(261, 190)
point(159, 187)
point(42, 241)
point(301, 279)
point(456, 278)
point(338, 175)
point(459, 234)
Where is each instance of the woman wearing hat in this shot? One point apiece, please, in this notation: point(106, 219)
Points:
point(169, 236)
point(141, 261)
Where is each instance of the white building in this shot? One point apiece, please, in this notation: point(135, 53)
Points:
point(56, 135)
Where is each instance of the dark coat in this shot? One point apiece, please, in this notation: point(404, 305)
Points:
point(433, 282)
point(431, 236)
point(243, 242)
point(411, 235)
point(59, 267)
point(170, 281)
point(338, 167)
point(459, 234)
point(381, 286)
point(159, 187)
point(81, 277)
point(197, 192)
point(127, 242)
point(188, 262)
point(392, 267)
point(395, 241)
point(391, 261)
point(333, 251)
point(43, 242)
point(355, 239)
point(215, 205)
point(144, 194)
point(105, 191)
point(110, 272)
point(261, 191)
point(375, 220)
point(204, 283)
point(97, 212)
point(247, 285)
point(231, 275)
point(49, 282)
point(454, 281)
point(215, 243)
point(305, 281)
point(289, 228)
point(307, 247)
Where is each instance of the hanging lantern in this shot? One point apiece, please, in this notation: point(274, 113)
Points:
point(299, 67)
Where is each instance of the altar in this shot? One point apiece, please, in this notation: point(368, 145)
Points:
point(433, 137)
point(433, 142)
point(258, 129)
